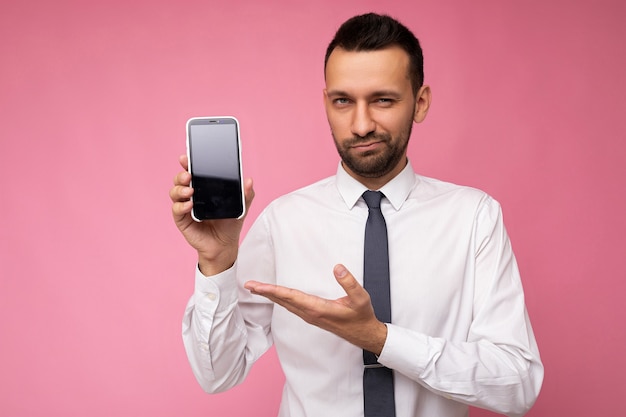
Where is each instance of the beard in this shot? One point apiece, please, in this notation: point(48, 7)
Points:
point(376, 163)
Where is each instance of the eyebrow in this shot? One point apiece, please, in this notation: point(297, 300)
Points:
point(380, 93)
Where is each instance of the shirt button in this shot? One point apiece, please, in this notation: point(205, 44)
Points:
point(211, 296)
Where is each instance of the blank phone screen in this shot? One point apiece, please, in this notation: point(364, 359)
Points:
point(215, 171)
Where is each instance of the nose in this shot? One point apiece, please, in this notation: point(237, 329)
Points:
point(362, 122)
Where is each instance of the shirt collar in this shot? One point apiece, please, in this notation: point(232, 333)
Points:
point(396, 191)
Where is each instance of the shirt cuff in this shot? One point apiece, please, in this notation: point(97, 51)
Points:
point(220, 288)
point(409, 351)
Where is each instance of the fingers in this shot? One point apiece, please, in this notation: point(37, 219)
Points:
point(309, 308)
point(289, 298)
point(181, 192)
point(355, 291)
point(182, 178)
point(180, 195)
point(184, 162)
point(181, 209)
point(356, 294)
point(270, 290)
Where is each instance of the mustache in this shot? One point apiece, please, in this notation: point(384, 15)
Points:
point(358, 140)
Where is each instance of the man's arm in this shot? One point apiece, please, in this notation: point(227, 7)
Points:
point(219, 346)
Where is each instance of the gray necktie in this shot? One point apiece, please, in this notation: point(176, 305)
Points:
point(377, 380)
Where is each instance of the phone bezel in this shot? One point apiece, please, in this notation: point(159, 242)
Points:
point(209, 120)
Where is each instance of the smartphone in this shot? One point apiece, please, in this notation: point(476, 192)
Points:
point(214, 151)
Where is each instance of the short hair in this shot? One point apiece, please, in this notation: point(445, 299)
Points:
point(371, 32)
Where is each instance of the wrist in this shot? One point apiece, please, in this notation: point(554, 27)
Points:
point(376, 341)
point(213, 265)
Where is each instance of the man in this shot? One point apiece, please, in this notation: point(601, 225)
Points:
point(458, 332)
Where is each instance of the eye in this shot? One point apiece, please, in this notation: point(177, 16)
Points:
point(384, 101)
point(341, 101)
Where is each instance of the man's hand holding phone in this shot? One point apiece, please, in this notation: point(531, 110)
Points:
point(217, 241)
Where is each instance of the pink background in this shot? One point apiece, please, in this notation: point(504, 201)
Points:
point(528, 105)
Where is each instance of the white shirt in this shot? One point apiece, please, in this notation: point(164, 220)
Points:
point(459, 335)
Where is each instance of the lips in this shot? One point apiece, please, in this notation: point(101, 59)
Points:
point(367, 146)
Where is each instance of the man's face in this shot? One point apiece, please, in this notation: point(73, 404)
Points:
point(370, 108)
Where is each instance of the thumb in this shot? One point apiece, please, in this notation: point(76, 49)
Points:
point(347, 281)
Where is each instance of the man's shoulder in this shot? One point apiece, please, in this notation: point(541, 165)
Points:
point(319, 191)
point(428, 188)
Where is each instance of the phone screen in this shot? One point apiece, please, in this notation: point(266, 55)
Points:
point(214, 162)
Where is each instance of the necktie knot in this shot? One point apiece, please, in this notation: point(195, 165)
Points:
point(372, 199)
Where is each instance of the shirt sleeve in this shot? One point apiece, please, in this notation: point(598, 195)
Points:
point(498, 366)
point(221, 340)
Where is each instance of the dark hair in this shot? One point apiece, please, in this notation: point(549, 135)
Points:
point(371, 32)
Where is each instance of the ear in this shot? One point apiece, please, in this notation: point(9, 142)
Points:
point(422, 103)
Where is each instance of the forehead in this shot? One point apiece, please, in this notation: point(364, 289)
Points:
point(362, 71)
